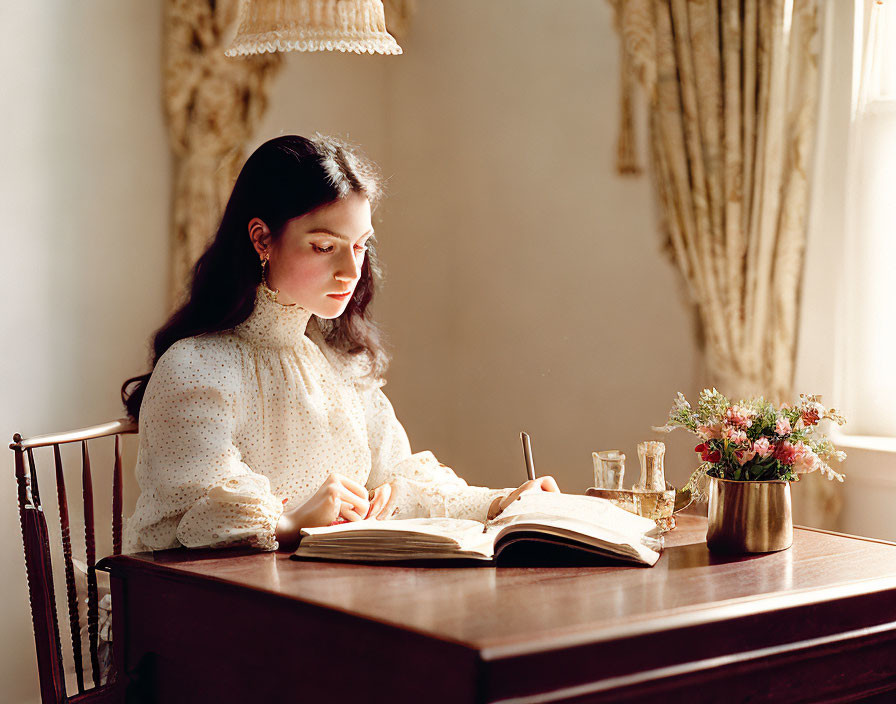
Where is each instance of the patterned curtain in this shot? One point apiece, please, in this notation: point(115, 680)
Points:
point(213, 104)
point(732, 91)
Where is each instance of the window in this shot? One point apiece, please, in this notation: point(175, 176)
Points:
point(868, 367)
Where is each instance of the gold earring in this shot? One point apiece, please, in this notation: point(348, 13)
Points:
point(272, 294)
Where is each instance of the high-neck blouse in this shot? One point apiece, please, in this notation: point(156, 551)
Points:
point(238, 426)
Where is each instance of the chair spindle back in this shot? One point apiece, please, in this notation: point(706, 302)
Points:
point(39, 563)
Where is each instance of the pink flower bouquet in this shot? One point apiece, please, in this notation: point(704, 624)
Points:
point(755, 441)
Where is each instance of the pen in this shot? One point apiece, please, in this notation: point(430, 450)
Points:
point(527, 454)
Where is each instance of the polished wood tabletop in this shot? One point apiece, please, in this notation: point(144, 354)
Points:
point(571, 633)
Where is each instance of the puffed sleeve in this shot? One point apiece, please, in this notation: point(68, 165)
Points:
point(425, 486)
point(195, 489)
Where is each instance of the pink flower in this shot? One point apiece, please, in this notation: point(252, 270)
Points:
point(782, 427)
point(744, 456)
point(804, 460)
point(736, 436)
point(763, 447)
point(710, 432)
point(786, 453)
point(739, 416)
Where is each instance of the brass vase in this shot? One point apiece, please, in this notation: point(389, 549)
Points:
point(749, 517)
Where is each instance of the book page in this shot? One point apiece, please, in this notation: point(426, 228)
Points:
point(589, 509)
point(456, 530)
point(589, 519)
point(412, 538)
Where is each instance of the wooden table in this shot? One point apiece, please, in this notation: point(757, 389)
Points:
point(816, 622)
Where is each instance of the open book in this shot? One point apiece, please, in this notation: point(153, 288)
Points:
point(538, 519)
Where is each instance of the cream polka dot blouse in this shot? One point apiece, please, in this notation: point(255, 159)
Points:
point(238, 426)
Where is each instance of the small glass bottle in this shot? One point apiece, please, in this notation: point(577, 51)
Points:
point(653, 477)
point(609, 469)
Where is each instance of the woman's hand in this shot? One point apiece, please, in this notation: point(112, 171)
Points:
point(337, 497)
point(545, 483)
point(382, 502)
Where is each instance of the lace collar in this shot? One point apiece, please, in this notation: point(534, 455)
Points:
point(273, 324)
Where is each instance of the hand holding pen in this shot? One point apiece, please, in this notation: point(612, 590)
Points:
point(545, 483)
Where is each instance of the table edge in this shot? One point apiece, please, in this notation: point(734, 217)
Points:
point(687, 617)
point(112, 564)
point(865, 538)
point(684, 617)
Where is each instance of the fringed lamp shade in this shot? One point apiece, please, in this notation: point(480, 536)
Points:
point(312, 25)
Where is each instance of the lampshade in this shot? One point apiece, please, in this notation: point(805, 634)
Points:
point(312, 25)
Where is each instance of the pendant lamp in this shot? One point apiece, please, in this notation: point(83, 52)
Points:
point(312, 25)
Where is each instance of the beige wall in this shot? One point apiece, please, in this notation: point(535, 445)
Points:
point(526, 289)
point(84, 195)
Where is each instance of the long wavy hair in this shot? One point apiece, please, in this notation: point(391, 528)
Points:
point(284, 178)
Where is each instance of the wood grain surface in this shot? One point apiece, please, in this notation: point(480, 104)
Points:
point(827, 606)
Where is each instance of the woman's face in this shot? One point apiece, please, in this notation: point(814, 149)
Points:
point(320, 254)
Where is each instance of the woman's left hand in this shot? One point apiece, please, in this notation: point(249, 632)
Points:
point(381, 504)
point(545, 483)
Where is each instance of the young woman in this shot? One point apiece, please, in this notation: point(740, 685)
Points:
point(264, 411)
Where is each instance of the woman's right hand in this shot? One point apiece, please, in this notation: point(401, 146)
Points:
point(337, 497)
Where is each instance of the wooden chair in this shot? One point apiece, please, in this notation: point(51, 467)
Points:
point(39, 567)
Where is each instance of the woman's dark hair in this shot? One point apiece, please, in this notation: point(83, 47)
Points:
point(284, 178)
